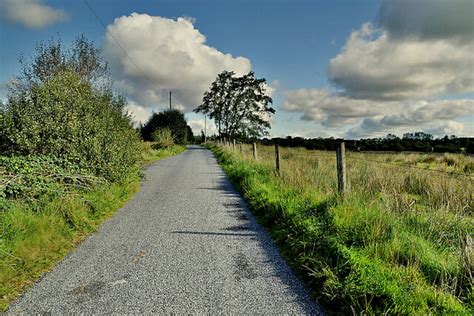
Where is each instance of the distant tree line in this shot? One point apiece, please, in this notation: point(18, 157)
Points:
point(419, 141)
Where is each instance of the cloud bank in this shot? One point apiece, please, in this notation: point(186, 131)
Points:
point(30, 13)
point(169, 55)
point(403, 72)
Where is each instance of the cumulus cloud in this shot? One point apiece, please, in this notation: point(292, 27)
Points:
point(399, 73)
point(197, 125)
point(374, 65)
point(428, 19)
point(321, 106)
point(30, 13)
point(374, 117)
point(447, 128)
point(170, 55)
point(139, 114)
point(376, 127)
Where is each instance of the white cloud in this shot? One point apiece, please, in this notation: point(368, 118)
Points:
point(400, 74)
point(30, 13)
point(139, 114)
point(448, 128)
point(197, 126)
point(374, 65)
point(172, 54)
point(374, 117)
point(375, 127)
point(321, 106)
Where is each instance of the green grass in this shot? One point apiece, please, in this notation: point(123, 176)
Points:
point(150, 154)
point(396, 244)
point(38, 232)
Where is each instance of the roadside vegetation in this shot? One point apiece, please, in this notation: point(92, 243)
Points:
point(400, 242)
point(70, 157)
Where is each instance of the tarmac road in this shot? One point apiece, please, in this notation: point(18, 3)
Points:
point(186, 243)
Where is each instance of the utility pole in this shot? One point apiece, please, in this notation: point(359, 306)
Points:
point(170, 100)
point(205, 129)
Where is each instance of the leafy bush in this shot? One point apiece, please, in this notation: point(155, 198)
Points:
point(62, 112)
point(34, 176)
point(173, 120)
point(163, 138)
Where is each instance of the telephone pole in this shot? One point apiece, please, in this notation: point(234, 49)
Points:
point(205, 129)
point(170, 100)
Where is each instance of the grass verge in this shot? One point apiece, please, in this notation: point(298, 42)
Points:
point(356, 255)
point(37, 233)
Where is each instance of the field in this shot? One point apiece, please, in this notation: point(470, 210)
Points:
point(399, 242)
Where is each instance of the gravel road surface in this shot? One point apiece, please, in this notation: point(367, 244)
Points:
point(186, 243)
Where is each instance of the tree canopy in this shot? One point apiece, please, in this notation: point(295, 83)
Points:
point(173, 120)
point(239, 106)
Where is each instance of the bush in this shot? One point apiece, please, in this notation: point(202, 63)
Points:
point(65, 118)
point(63, 106)
point(163, 138)
point(35, 176)
point(173, 120)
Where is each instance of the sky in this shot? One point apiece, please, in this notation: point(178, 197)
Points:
point(340, 68)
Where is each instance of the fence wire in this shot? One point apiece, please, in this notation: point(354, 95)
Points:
point(349, 155)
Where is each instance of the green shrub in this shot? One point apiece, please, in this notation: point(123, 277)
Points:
point(163, 138)
point(173, 120)
point(35, 176)
point(62, 105)
point(66, 118)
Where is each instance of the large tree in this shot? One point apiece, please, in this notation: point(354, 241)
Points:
point(239, 106)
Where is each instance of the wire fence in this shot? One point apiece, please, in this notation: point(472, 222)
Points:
point(349, 155)
point(404, 176)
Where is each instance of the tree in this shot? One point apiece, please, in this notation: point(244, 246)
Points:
point(56, 108)
point(238, 105)
point(82, 58)
point(173, 120)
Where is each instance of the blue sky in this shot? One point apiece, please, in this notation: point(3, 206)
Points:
point(335, 68)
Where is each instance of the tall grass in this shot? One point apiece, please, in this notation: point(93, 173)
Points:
point(399, 242)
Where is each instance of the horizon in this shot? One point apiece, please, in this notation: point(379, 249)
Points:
point(333, 68)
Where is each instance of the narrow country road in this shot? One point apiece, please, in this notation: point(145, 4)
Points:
point(186, 243)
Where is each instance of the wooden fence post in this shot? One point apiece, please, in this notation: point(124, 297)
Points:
point(241, 149)
point(233, 145)
point(341, 169)
point(277, 159)
point(254, 150)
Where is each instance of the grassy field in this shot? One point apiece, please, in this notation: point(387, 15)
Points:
point(400, 242)
point(41, 226)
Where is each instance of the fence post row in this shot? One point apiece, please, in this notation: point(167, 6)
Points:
point(254, 150)
point(277, 159)
point(341, 168)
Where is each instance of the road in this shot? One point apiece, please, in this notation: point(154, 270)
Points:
point(186, 243)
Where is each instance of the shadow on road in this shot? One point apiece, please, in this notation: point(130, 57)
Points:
point(210, 233)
